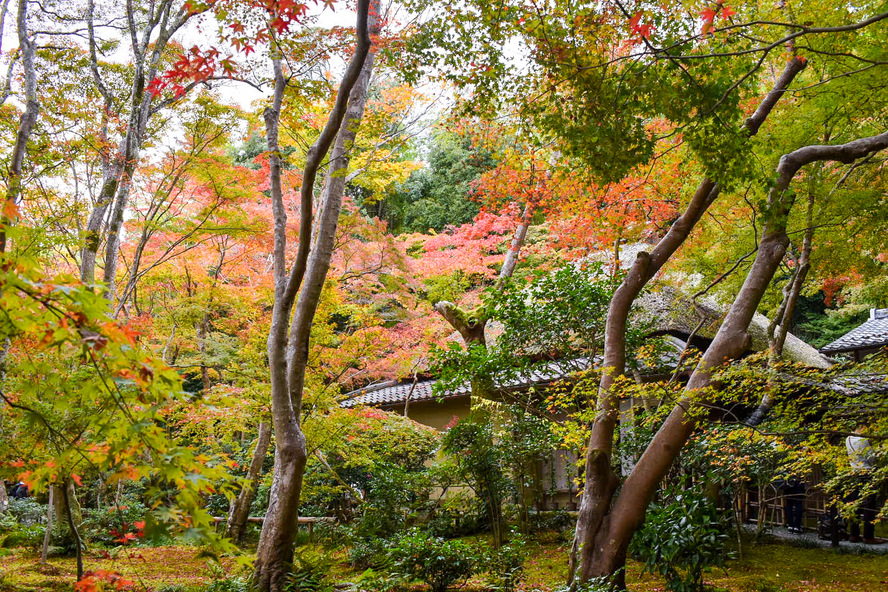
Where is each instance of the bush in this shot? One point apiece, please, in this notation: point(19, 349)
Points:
point(111, 524)
point(681, 537)
point(435, 561)
point(458, 514)
point(27, 511)
point(552, 520)
point(599, 584)
point(369, 553)
point(228, 585)
point(22, 525)
point(23, 536)
point(505, 566)
point(310, 572)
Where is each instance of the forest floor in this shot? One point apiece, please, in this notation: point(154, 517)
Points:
point(763, 568)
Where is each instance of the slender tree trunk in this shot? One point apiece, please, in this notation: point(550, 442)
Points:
point(202, 330)
point(600, 480)
point(288, 345)
point(240, 509)
point(47, 535)
point(779, 326)
point(70, 500)
point(112, 245)
point(4, 499)
point(27, 121)
point(148, 45)
point(607, 555)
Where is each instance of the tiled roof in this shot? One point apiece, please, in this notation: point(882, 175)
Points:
point(853, 383)
point(873, 333)
point(395, 393)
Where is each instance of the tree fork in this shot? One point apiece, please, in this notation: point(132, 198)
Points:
point(731, 340)
point(596, 493)
point(288, 344)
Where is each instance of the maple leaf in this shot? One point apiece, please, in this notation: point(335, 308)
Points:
point(633, 22)
point(727, 11)
point(10, 209)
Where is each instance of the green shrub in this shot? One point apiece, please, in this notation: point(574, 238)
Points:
point(369, 553)
point(111, 524)
point(223, 582)
point(552, 520)
point(681, 537)
point(599, 584)
point(27, 511)
point(23, 536)
point(228, 585)
point(435, 561)
point(310, 572)
point(459, 514)
point(505, 566)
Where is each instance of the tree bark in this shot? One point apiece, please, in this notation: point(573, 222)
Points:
point(47, 534)
point(27, 121)
point(70, 501)
point(288, 344)
point(148, 44)
point(240, 509)
point(779, 326)
point(600, 480)
point(607, 555)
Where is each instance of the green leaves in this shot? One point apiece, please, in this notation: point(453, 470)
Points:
point(81, 396)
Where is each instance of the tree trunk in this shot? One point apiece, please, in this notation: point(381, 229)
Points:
point(600, 480)
point(779, 326)
point(240, 509)
point(115, 224)
point(4, 499)
point(148, 45)
point(66, 502)
point(47, 534)
point(70, 502)
point(288, 354)
point(27, 121)
point(607, 555)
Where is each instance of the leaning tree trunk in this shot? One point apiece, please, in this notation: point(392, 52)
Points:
point(600, 480)
point(288, 346)
point(606, 555)
point(240, 509)
point(779, 326)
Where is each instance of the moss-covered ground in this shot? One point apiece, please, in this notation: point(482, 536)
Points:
point(763, 568)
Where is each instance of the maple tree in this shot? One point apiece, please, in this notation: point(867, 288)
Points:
point(579, 97)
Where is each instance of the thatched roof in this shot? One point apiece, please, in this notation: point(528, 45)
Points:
point(672, 311)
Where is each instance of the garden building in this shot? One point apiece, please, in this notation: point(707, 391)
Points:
point(679, 321)
point(866, 339)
